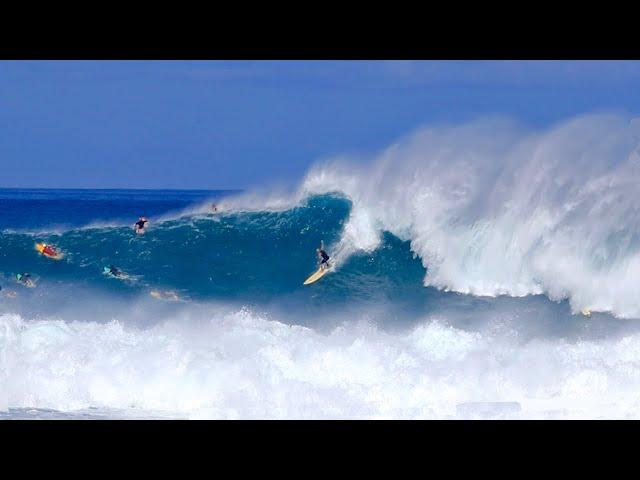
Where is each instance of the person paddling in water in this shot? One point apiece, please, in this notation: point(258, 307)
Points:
point(323, 257)
point(140, 225)
point(25, 279)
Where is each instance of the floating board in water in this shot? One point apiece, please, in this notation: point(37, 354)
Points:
point(316, 276)
point(164, 295)
point(40, 248)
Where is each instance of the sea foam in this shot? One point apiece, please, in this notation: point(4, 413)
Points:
point(239, 364)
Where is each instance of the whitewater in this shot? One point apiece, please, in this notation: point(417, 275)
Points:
point(464, 255)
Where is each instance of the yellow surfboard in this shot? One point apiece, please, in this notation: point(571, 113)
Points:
point(316, 276)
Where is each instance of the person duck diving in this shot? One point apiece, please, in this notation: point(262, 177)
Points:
point(323, 257)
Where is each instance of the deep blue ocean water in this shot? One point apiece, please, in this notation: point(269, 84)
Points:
point(42, 208)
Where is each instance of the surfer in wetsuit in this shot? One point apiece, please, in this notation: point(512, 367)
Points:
point(140, 225)
point(322, 256)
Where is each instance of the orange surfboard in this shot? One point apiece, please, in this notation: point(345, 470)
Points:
point(40, 247)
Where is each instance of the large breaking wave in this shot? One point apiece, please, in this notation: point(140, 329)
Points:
point(494, 208)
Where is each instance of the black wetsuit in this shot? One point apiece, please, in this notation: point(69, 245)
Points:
point(325, 257)
point(140, 224)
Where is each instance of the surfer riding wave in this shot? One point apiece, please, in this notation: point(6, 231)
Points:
point(323, 257)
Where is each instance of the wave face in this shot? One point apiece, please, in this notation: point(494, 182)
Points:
point(249, 257)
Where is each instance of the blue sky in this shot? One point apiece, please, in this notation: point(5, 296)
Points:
point(130, 124)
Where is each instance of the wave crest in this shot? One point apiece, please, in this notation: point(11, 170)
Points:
point(493, 208)
point(238, 364)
